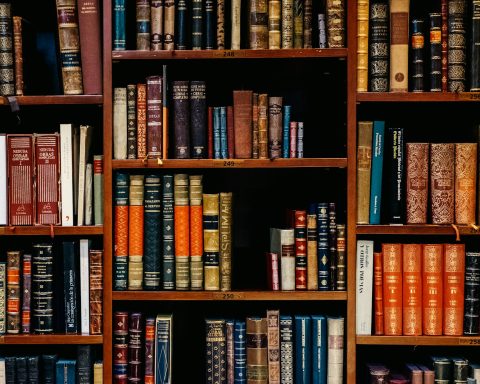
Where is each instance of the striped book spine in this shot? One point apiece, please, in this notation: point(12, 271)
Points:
point(13, 291)
point(182, 232)
point(226, 241)
point(229, 331)
point(196, 232)
point(300, 250)
point(168, 277)
point(120, 346)
point(143, 25)
point(257, 344)
point(3, 297)
point(152, 219)
point(135, 233)
point(120, 274)
point(156, 27)
point(286, 349)
point(322, 247)
point(216, 351)
point(149, 377)
point(274, 24)
point(211, 241)
point(240, 353)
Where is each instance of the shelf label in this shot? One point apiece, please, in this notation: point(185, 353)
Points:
point(227, 163)
point(469, 341)
point(229, 54)
point(469, 95)
point(228, 296)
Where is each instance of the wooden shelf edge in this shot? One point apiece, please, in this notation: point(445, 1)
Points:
point(419, 340)
point(229, 295)
point(432, 97)
point(55, 100)
point(409, 229)
point(48, 231)
point(51, 339)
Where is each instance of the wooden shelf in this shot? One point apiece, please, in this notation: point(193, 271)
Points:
point(51, 339)
point(232, 163)
point(473, 341)
point(229, 295)
point(43, 230)
point(231, 54)
point(409, 229)
point(55, 100)
point(428, 97)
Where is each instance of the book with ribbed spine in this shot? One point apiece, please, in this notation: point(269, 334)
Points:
point(273, 347)
point(474, 72)
point(307, 23)
point(119, 23)
point(149, 377)
point(18, 44)
point(275, 127)
point(198, 118)
point(181, 25)
point(211, 241)
point(216, 351)
point(378, 292)
point(33, 366)
point(303, 349)
point(120, 345)
point(335, 23)
point(362, 45)
point(210, 27)
point(435, 23)
point(3, 297)
point(230, 350)
point(98, 189)
point(287, 23)
point(472, 294)
point(457, 45)
point(210, 122)
point(417, 182)
point(95, 262)
point(163, 349)
point(225, 240)
point(379, 46)
point(293, 139)
point(444, 37)
point(21, 369)
point(156, 25)
point(392, 288)
point(465, 182)
point(399, 23)
point(323, 252)
point(286, 349)
point(143, 25)
point(332, 245)
point(442, 182)
point(262, 126)
point(152, 217)
point(274, 24)
point(336, 335)
point(7, 72)
point(257, 343)
point(220, 24)
point(13, 291)
point(136, 210)
point(258, 24)
point(181, 118)
point(417, 56)
point(364, 165)
point(120, 122)
point(377, 153)
point(71, 280)
point(282, 243)
point(42, 288)
point(65, 371)
point(364, 287)
point(197, 24)
point(300, 250)
point(453, 289)
point(182, 232)
point(196, 231)
point(341, 259)
point(120, 249)
point(154, 117)
point(131, 121)
point(84, 374)
point(135, 346)
point(240, 352)
point(141, 121)
point(3, 181)
point(223, 133)
point(432, 288)
point(319, 349)
point(412, 289)
point(236, 8)
point(168, 261)
point(169, 25)
point(312, 260)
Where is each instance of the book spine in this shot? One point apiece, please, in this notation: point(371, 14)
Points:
point(154, 117)
point(323, 253)
point(300, 250)
point(3, 297)
point(287, 110)
point(287, 259)
point(442, 168)
point(322, 31)
point(120, 275)
point(156, 25)
point(293, 139)
point(18, 54)
point(397, 180)
point(242, 120)
point(412, 289)
point(149, 377)
point(182, 232)
point(21, 368)
point(273, 280)
point(286, 349)
point(69, 47)
point(198, 118)
point(465, 182)
point(7, 71)
point(196, 231)
point(163, 349)
point(181, 26)
point(257, 356)
point(273, 347)
point(379, 47)
point(135, 347)
point(475, 46)
point(136, 212)
point(95, 259)
point(131, 121)
point(98, 188)
point(84, 143)
point(417, 182)
point(13, 292)
point(220, 24)
point(275, 125)
point(392, 288)
point(399, 20)
point(377, 171)
point(240, 353)
point(120, 123)
point(300, 140)
point(210, 27)
point(197, 24)
point(143, 25)
point(120, 346)
point(216, 133)
point(444, 12)
point(453, 289)
point(210, 132)
point(263, 126)
point(378, 291)
point(335, 327)
point(235, 24)
point(211, 241)
point(230, 351)
point(432, 288)
point(258, 24)
point(231, 133)
point(119, 23)
point(42, 288)
point(335, 23)
point(472, 294)
point(70, 282)
point(33, 363)
point(84, 364)
point(307, 24)
point(88, 194)
point(362, 45)
point(312, 259)
point(216, 351)
point(332, 244)
point(226, 241)
point(364, 165)
point(84, 287)
point(303, 349)
point(274, 24)
point(457, 45)
point(169, 25)
point(3, 181)
point(341, 283)
point(298, 23)
point(10, 370)
point(364, 286)
point(168, 231)
point(181, 119)
point(319, 349)
point(48, 368)
point(417, 57)
point(223, 133)
point(435, 52)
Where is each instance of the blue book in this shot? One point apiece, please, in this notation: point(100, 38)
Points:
point(303, 349)
point(286, 349)
point(215, 351)
point(168, 277)
point(377, 171)
point(323, 254)
point(319, 349)
point(152, 240)
point(240, 352)
point(223, 133)
point(163, 349)
point(216, 133)
point(181, 25)
point(65, 371)
point(119, 40)
point(286, 131)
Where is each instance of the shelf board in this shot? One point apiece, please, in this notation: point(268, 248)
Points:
point(51, 339)
point(43, 230)
point(232, 163)
point(411, 229)
point(231, 54)
point(419, 340)
point(55, 100)
point(433, 97)
point(229, 295)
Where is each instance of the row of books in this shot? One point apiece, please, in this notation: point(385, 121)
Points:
point(435, 47)
point(425, 182)
point(36, 369)
point(203, 24)
point(257, 126)
point(52, 290)
point(429, 289)
point(74, 51)
point(49, 179)
point(310, 254)
point(170, 235)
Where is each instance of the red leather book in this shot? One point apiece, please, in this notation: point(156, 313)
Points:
point(48, 175)
point(465, 182)
point(272, 271)
point(27, 292)
point(442, 182)
point(135, 232)
point(412, 289)
point(20, 157)
point(135, 347)
point(300, 250)
point(417, 182)
point(210, 132)
point(89, 27)
point(120, 347)
point(230, 132)
point(378, 291)
point(432, 288)
point(242, 123)
point(392, 288)
point(149, 377)
point(453, 289)
point(154, 117)
point(96, 291)
point(141, 121)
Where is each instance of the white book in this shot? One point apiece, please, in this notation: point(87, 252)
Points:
point(236, 17)
point(120, 123)
point(3, 377)
point(364, 287)
point(66, 174)
point(282, 242)
point(84, 287)
point(88, 194)
point(335, 330)
point(85, 135)
point(3, 181)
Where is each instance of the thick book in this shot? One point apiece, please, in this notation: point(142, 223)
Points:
point(286, 349)
point(216, 351)
point(7, 73)
point(182, 231)
point(303, 349)
point(275, 126)
point(300, 250)
point(282, 242)
point(152, 226)
point(181, 118)
point(156, 25)
point(417, 61)
point(274, 24)
point(378, 143)
point(141, 121)
point(131, 121)
point(287, 23)
point(240, 352)
point(84, 286)
point(312, 260)
point(453, 289)
point(168, 240)
point(95, 263)
point(226, 240)
point(169, 25)
point(257, 355)
point(198, 118)
point(392, 288)
point(211, 241)
point(378, 292)
point(3, 181)
point(362, 45)
point(474, 70)
point(364, 287)
point(154, 117)
point(149, 376)
point(143, 25)
point(364, 165)
point(13, 291)
point(273, 346)
point(258, 24)
point(307, 23)
point(136, 212)
point(435, 22)
point(442, 183)
point(412, 289)
point(120, 237)
point(399, 23)
point(48, 368)
point(432, 288)
point(163, 349)
point(471, 324)
point(341, 283)
point(396, 183)
point(416, 188)
point(42, 288)
point(319, 349)
point(135, 346)
point(379, 46)
point(242, 120)
point(119, 25)
point(71, 280)
point(230, 350)
point(335, 23)
point(457, 45)
point(196, 231)
point(84, 364)
point(335, 357)
point(33, 366)
point(465, 182)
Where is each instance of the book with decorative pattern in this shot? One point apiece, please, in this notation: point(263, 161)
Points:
point(300, 250)
point(181, 118)
point(273, 347)
point(196, 231)
point(399, 23)
point(442, 170)
point(412, 289)
point(154, 117)
point(417, 65)
point(226, 241)
point(240, 352)
point(392, 288)
point(378, 292)
point(457, 45)
point(417, 182)
point(182, 232)
point(13, 291)
point(432, 288)
point(262, 121)
point(7, 73)
point(335, 23)
point(275, 127)
point(453, 289)
point(286, 349)
point(362, 45)
point(163, 349)
point(211, 241)
point(312, 260)
point(472, 294)
point(135, 232)
point(120, 249)
point(3, 297)
point(149, 376)
point(257, 355)
point(168, 262)
point(135, 346)
point(141, 121)
point(216, 351)
point(298, 23)
point(341, 283)
point(143, 25)
point(131, 121)
point(198, 118)
point(435, 33)
point(42, 288)
point(95, 265)
point(379, 46)
point(258, 24)
point(465, 182)
point(230, 350)
point(364, 165)
point(120, 346)
point(152, 240)
point(323, 252)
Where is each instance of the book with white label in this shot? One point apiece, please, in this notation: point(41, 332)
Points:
point(3, 180)
point(84, 287)
point(364, 287)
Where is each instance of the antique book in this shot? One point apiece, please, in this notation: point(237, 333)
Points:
point(136, 325)
point(300, 135)
point(98, 189)
point(226, 241)
point(287, 23)
point(149, 372)
point(89, 194)
point(379, 373)
point(131, 121)
point(120, 345)
point(258, 24)
point(414, 373)
point(376, 177)
point(444, 12)
point(442, 195)
point(98, 372)
point(312, 260)
point(417, 64)
point(21, 369)
point(300, 250)
point(216, 351)
point(143, 25)
point(442, 367)
point(65, 371)
point(417, 182)
point(275, 125)
point(379, 46)
point(18, 43)
point(69, 41)
point(323, 251)
point(364, 287)
point(465, 182)
point(85, 245)
point(341, 283)
point(273, 268)
point(120, 123)
point(287, 112)
point(435, 52)
point(211, 241)
point(362, 45)
point(168, 241)
point(141, 121)
point(242, 120)
point(273, 346)
point(257, 354)
point(71, 280)
point(217, 154)
point(120, 237)
point(453, 289)
point(298, 23)
point(84, 364)
point(68, 170)
point(474, 70)
point(412, 289)
point(209, 25)
point(240, 352)
point(472, 294)
point(335, 23)
point(378, 292)
point(136, 212)
point(335, 358)
point(210, 131)
point(396, 162)
point(119, 25)
point(83, 157)
point(230, 354)
point(42, 288)
point(3, 297)
point(274, 24)
point(7, 71)
point(236, 7)
point(332, 245)
point(96, 291)
point(220, 24)
point(13, 291)
point(169, 25)
point(399, 20)
point(262, 125)
point(364, 165)
point(33, 366)
point(319, 349)
point(163, 348)
point(198, 118)
point(460, 369)
point(392, 288)
point(154, 117)
point(152, 226)
point(165, 108)
point(457, 45)
point(303, 348)
point(181, 25)
point(3, 181)
point(282, 243)
point(182, 232)
point(307, 23)
point(432, 288)
point(223, 133)
point(196, 231)
point(181, 118)
point(156, 25)
point(197, 24)
point(286, 349)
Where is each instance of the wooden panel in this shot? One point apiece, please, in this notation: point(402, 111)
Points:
point(50, 339)
point(426, 229)
point(51, 231)
point(417, 97)
point(55, 100)
point(419, 340)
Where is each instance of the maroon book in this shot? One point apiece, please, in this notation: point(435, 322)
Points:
point(21, 179)
point(149, 350)
point(154, 117)
point(272, 271)
point(120, 347)
point(300, 250)
point(135, 348)
point(230, 133)
point(27, 291)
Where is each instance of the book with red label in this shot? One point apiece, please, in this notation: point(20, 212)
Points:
point(154, 117)
point(21, 179)
point(453, 289)
point(378, 291)
point(432, 288)
point(136, 212)
point(300, 250)
point(412, 289)
point(26, 291)
point(392, 288)
point(149, 377)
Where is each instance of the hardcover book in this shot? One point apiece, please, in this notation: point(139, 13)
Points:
point(257, 356)
point(168, 243)
point(282, 243)
point(472, 294)
point(120, 251)
point(378, 292)
point(442, 163)
point(286, 349)
point(95, 261)
point(211, 241)
point(226, 241)
point(412, 289)
point(432, 288)
point(364, 288)
point(364, 164)
point(453, 289)
point(273, 336)
point(399, 23)
point(362, 45)
point(258, 26)
point(196, 231)
point(181, 119)
point(378, 143)
point(216, 351)
point(242, 120)
point(465, 182)
point(7, 73)
point(303, 349)
point(240, 352)
point(152, 217)
point(417, 182)
point(182, 232)
point(335, 329)
point(392, 288)
point(154, 117)
point(136, 211)
point(42, 288)
point(163, 349)
point(379, 46)
point(13, 291)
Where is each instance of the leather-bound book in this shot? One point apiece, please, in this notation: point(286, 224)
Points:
point(258, 24)
point(412, 289)
point(453, 289)
point(120, 123)
point(287, 112)
point(7, 71)
point(84, 372)
point(216, 351)
point(364, 165)
point(156, 25)
point(286, 349)
point(119, 25)
point(169, 25)
point(20, 160)
point(262, 126)
point(303, 348)
point(435, 52)
point(13, 291)
point(120, 249)
point(42, 288)
point(154, 117)
point(149, 376)
point(3, 297)
point(48, 368)
point(163, 347)
point(460, 370)
point(236, 8)
point(442, 366)
point(274, 24)
point(135, 346)
point(198, 118)
point(90, 43)
point(378, 373)
point(414, 373)
point(392, 288)
point(181, 25)
point(230, 348)
point(341, 283)
point(152, 241)
point(298, 23)
point(396, 161)
point(378, 291)
point(417, 182)
point(230, 133)
point(362, 45)
point(471, 324)
point(379, 46)
point(135, 232)
point(273, 280)
point(335, 23)
point(444, 12)
point(141, 121)
point(168, 240)
point(323, 252)
point(165, 108)
point(18, 43)
point(33, 366)
point(71, 280)
point(211, 241)
point(273, 347)
point(417, 56)
point(95, 259)
point(226, 241)
point(69, 41)
point(428, 374)
point(240, 352)
point(197, 24)
point(210, 27)
point(120, 346)
point(242, 123)
point(181, 118)
point(307, 23)
point(196, 231)
point(442, 168)
point(65, 370)
point(300, 250)
point(275, 127)
point(475, 46)
point(216, 133)
point(220, 24)
point(457, 45)
point(257, 354)
point(182, 232)
point(282, 242)
point(465, 182)
point(332, 244)
point(399, 20)
point(432, 288)
point(9, 369)
point(335, 358)
point(319, 349)
point(131, 121)
point(98, 189)
point(312, 260)
point(287, 23)
point(21, 369)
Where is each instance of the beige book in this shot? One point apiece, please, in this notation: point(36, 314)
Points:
point(236, 15)
point(364, 166)
point(362, 45)
point(399, 19)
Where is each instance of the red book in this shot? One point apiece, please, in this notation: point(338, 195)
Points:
point(141, 121)
point(272, 271)
point(27, 292)
point(392, 288)
point(300, 250)
point(154, 117)
point(149, 377)
point(444, 11)
point(210, 132)
point(412, 289)
point(21, 179)
point(378, 291)
point(120, 347)
point(432, 288)
point(453, 289)
point(242, 123)
point(96, 291)
point(48, 175)
point(230, 132)
point(293, 139)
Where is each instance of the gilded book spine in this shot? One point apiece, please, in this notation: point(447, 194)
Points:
point(211, 241)
point(220, 24)
point(181, 119)
point(457, 45)
point(230, 334)
point(435, 52)
point(163, 348)
point(297, 23)
point(312, 261)
point(143, 25)
point(453, 289)
point(258, 25)
point(135, 233)
point(120, 346)
point(156, 28)
point(151, 267)
point(168, 233)
point(7, 72)
point(257, 357)
point(169, 25)
point(26, 292)
point(444, 12)
point(472, 294)
point(417, 182)
point(335, 23)
point(287, 23)
point(442, 168)
point(95, 261)
point(364, 165)
point(274, 24)
point(120, 135)
point(154, 117)
point(182, 232)
point(263, 126)
point(18, 52)
point(149, 377)
point(378, 291)
point(341, 258)
point(275, 126)
point(379, 46)
point(181, 26)
point(131, 121)
point(13, 291)
point(226, 241)
point(432, 288)
point(210, 27)
point(121, 232)
point(216, 351)
point(412, 289)
point(417, 57)
point(475, 46)
point(323, 254)
point(196, 232)
point(98, 188)
point(135, 347)
point(465, 182)
point(300, 250)
point(392, 288)
point(362, 45)
point(273, 329)
point(3, 297)
point(198, 118)
point(141, 121)
point(399, 20)
point(42, 288)
point(197, 24)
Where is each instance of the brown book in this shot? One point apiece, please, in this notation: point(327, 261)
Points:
point(412, 289)
point(432, 288)
point(257, 354)
point(273, 335)
point(154, 117)
point(364, 166)
point(141, 121)
point(143, 25)
point(307, 23)
point(242, 123)
point(453, 289)
point(156, 25)
point(96, 291)
point(392, 289)
point(312, 260)
point(274, 24)
point(90, 43)
point(298, 23)
point(220, 24)
point(442, 182)
point(362, 45)
point(399, 22)
point(255, 146)
point(258, 24)
point(465, 182)
point(275, 127)
point(263, 126)
point(335, 23)
point(18, 53)
point(378, 291)
point(225, 227)
point(444, 11)
point(13, 292)
point(417, 182)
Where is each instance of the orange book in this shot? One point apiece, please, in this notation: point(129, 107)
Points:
point(196, 232)
point(392, 288)
point(453, 289)
point(141, 121)
point(182, 232)
point(135, 233)
point(378, 291)
point(412, 289)
point(432, 288)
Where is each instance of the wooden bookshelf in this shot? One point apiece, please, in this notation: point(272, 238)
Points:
point(411, 229)
point(54, 230)
point(55, 100)
point(421, 97)
point(473, 341)
point(50, 339)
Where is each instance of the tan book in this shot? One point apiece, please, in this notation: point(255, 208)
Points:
point(312, 260)
point(399, 22)
point(169, 25)
point(287, 23)
point(465, 182)
point(417, 182)
point(211, 241)
point(364, 166)
point(273, 335)
point(258, 26)
point(135, 233)
point(263, 126)
point(257, 353)
point(274, 24)
point(225, 241)
point(442, 168)
point(412, 289)
point(362, 45)
point(236, 17)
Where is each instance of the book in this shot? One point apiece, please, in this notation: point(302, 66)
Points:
point(131, 121)
point(412, 289)
point(273, 346)
point(141, 121)
point(396, 162)
point(307, 23)
point(378, 292)
point(211, 241)
point(121, 213)
point(435, 22)
point(149, 377)
point(364, 287)
point(3, 181)
point(120, 346)
point(432, 288)
point(65, 371)
point(89, 194)
point(240, 352)
point(417, 64)
point(303, 348)
point(242, 120)
point(275, 125)
point(196, 231)
point(42, 288)
point(181, 118)
point(258, 25)
point(95, 264)
point(362, 45)
point(181, 25)
point(3, 297)
point(230, 350)
point(182, 232)
point(84, 274)
point(7, 74)
point(417, 182)
point(67, 137)
point(120, 123)
point(364, 164)
point(136, 219)
point(335, 357)
point(154, 116)
point(319, 349)
point(392, 288)
point(169, 25)
point(135, 345)
point(453, 289)
point(472, 294)
point(474, 72)
point(287, 24)
point(198, 119)
point(98, 191)
point(84, 374)
point(312, 260)
point(262, 121)
point(84, 155)
point(335, 23)
point(457, 45)
point(163, 349)
point(236, 8)
point(197, 24)
point(156, 25)
point(442, 168)
point(274, 24)
point(119, 25)
point(378, 140)
point(379, 46)
point(465, 182)
point(152, 226)
point(341, 284)
point(323, 250)
point(71, 281)
point(13, 292)
point(225, 240)
point(216, 351)
point(300, 233)
point(168, 240)
point(399, 36)
point(143, 25)
point(444, 37)
point(257, 356)
point(210, 27)
point(286, 349)
point(282, 243)
point(298, 23)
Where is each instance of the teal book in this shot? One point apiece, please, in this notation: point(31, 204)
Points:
point(65, 371)
point(319, 349)
point(303, 349)
point(377, 171)
point(163, 349)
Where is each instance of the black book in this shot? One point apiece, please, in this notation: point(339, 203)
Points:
point(33, 363)
point(152, 240)
point(84, 364)
point(48, 368)
point(198, 118)
point(457, 45)
point(42, 288)
point(181, 17)
point(472, 294)
point(22, 371)
point(197, 24)
point(379, 46)
point(181, 119)
point(210, 24)
point(10, 370)
point(71, 282)
point(435, 52)
point(395, 147)
point(417, 56)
